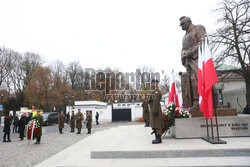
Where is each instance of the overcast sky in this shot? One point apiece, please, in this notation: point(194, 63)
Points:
point(124, 34)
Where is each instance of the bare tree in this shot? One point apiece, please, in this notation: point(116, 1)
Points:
point(231, 42)
point(5, 65)
point(29, 64)
point(17, 74)
point(72, 73)
point(57, 68)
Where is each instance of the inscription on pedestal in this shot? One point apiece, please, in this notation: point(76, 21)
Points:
point(229, 126)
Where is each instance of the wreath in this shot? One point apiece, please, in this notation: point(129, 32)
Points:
point(170, 112)
point(33, 129)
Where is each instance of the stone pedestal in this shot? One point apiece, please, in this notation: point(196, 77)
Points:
point(219, 111)
point(229, 126)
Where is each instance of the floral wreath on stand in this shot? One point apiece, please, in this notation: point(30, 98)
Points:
point(170, 112)
point(33, 129)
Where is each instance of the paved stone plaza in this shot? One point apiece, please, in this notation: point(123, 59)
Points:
point(131, 146)
point(21, 154)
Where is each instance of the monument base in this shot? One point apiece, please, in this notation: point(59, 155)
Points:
point(219, 111)
point(229, 126)
point(214, 140)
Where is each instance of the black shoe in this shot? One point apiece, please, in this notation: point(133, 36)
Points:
point(157, 140)
point(4, 141)
point(78, 133)
point(9, 141)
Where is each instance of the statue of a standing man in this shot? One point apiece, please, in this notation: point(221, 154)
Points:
point(189, 57)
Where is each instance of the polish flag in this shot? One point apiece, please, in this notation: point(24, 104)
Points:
point(200, 74)
point(173, 93)
point(54, 108)
point(207, 77)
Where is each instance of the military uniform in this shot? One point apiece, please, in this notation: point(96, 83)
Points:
point(40, 120)
point(89, 123)
point(72, 122)
point(156, 115)
point(61, 120)
point(145, 112)
point(79, 118)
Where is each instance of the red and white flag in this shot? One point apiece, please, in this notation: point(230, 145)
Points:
point(200, 74)
point(173, 93)
point(54, 108)
point(207, 77)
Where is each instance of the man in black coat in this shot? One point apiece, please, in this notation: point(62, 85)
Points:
point(21, 126)
point(6, 128)
point(97, 118)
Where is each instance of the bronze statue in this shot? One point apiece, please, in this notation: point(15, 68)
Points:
point(189, 58)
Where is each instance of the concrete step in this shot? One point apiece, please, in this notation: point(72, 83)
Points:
point(170, 154)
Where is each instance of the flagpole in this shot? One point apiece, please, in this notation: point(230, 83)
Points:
point(212, 128)
point(207, 128)
point(215, 114)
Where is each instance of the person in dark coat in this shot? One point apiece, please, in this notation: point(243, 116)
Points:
point(11, 119)
point(97, 118)
point(15, 124)
point(28, 118)
point(61, 120)
point(6, 128)
point(21, 126)
point(89, 122)
point(67, 117)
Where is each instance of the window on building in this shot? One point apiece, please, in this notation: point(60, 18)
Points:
point(123, 104)
point(128, 104)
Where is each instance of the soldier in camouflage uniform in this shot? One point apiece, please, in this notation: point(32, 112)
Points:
point(89, 122)
point(72, 122)
point(145, 112)
point(79, 118)
point(39, 117)
point(61, 120)
point(156, 112)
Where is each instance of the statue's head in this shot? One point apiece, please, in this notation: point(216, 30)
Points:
point(185, 22)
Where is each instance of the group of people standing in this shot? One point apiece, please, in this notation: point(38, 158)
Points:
point(76, 121)
point(18, 126)
point(152, 112)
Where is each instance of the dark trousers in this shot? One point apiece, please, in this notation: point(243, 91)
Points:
point(60, 130)
point(79, 130)
point(72, 129)
point(97, 122)
point(6, 134)
point(15, 129)
point(21, 133)
point(38, 139)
